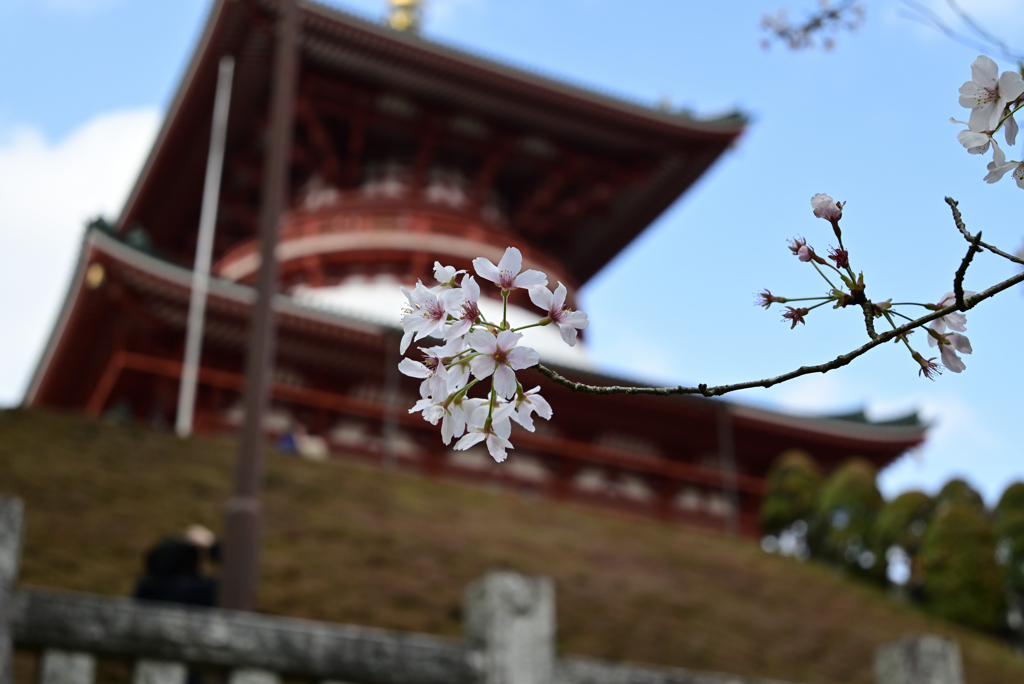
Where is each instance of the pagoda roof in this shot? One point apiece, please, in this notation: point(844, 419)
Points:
point(582, 173)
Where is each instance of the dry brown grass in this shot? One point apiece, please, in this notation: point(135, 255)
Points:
point(354, 544)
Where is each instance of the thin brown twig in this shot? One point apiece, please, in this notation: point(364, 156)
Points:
point(970, 238)
point(869, 318)
point(962, 304)
point(958, 279)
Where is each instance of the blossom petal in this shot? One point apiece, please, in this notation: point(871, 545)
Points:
point(483, 341)
point(504, 382)
point(984, 72)
point(540, 295)
point(568, 333)
point(483, 366)
point(1011, 129)
point(485, 269)
point(511, 261)
point(507, 339)
point(414, 369)
point(469, 440)
point(529, 279)
point(496, 447)
point(523, 357)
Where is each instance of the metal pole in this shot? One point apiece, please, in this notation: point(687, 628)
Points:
point(727, 457)
point(204, 249)
point(244, 510)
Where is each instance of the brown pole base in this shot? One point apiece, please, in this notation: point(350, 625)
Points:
point(243, 517)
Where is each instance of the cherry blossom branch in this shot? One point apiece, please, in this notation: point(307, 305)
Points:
point(869, 319)
point(838, 362)
point(963, 304)
point(970, 238)
point(958, 279)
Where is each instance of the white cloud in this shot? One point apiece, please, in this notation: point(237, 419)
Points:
point(47, 193)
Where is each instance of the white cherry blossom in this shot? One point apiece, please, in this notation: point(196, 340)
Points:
point(433, 373)
point(470, 309)
point(956, 320)
point(506, 274)
point(494, 432)
point(988, 93)
point(998, 167)
point(445, 276)
point(528, 403)
point(567, 320)
point(975, 142)
point(428, 313)
point(500, 357)
point(949, 345)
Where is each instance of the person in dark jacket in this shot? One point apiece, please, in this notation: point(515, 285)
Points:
point(173, 570)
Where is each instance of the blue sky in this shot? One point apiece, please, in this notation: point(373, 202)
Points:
point(85, 83)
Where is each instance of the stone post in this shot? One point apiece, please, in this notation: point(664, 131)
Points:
point(11, 523)
point(924, 659)
point(250, 675)
point(510, 623)
point(66, 667)
point(159, 672)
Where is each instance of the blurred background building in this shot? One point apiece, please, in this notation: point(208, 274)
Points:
point(406, 152)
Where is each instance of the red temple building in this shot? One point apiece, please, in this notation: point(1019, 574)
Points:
point(405, 152)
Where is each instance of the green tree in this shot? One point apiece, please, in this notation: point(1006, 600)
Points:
point(1012, 501)
point(961, 580)
point(958, 490)
point(793, 483)
point(1008, 517)
point(844, 515)
point(902, 522)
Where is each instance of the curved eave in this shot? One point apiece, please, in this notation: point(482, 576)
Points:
point(894, 439)
point(177, 281)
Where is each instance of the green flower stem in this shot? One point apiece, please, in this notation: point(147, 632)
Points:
point(490, 408)
point(532, 325)
point(822, 274)
point(897, 313)
point(903, 338)
point(456, 360)
point(462, 392)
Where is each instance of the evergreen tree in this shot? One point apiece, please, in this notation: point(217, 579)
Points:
point(1009, 521)
point(961, 580)
point(843, 518)
point(1012, 501)
point(958, 490)
point(902, 523)
point(793, 483)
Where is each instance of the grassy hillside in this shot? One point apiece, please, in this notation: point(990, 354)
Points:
point(354, 544)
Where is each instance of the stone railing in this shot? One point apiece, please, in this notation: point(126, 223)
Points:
point(509, 639)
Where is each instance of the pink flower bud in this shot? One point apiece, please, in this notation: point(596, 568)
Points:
point(827, 208)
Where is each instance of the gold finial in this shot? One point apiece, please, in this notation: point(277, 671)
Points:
point(94, 276)
point(405, 15)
